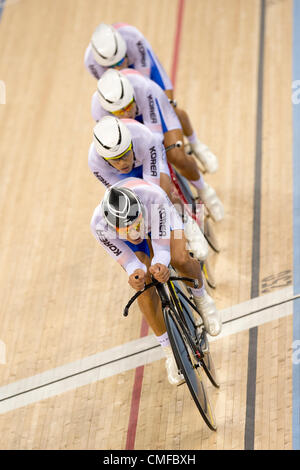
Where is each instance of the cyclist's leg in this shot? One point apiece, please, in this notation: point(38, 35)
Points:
point(197, 242)
point(166, 184)
point(182, 116)
point(189, 267)
point(181, 260)
point(200, 150)
point(185, 164)
point(150, 306)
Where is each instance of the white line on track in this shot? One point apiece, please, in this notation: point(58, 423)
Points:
point(136, 353)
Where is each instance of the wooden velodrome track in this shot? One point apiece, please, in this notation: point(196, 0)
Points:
point(62, 295)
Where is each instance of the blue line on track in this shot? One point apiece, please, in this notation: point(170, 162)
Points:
point(2, 4)
point(296, 223)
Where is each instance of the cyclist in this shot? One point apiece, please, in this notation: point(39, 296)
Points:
point(121, 46)
point(139, 227)
point(128, 94)
point(124, 148)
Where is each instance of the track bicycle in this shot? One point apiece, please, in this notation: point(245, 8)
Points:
point(184, 192)
point(194, 207)
point(189, 342)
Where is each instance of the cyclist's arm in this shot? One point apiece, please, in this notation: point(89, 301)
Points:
point(161, 250)
point(158, 164)
point(106, 174)
point(115, 247)
point(96, 109)
point(150, 111)
point(163, 219)
point(137, 51)
point(161, 254)
point(153, 159)
point(169, 118)
point(147, 63)
point(160, 272)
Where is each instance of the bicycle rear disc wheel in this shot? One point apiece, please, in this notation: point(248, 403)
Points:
point(207, 361)
point(207, 271)
point(210, 236)
point(191, 369)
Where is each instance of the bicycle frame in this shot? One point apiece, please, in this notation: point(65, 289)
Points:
point(182, 190)
point(186, 320)
point(167, 302)
point(189, 202)
point(190, 347)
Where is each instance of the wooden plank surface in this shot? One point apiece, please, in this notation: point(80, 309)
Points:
point(62, 295)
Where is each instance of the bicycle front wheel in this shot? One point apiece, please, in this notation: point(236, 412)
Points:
point(190, 367)
point(208, 275)
point(207, 361)
point(210, 235)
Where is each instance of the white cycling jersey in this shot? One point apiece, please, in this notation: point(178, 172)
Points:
point(149, 157)
point(160, 218)
point(153, 107)
point(140, 56)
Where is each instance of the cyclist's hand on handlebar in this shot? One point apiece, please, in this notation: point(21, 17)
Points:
point(137, 279)
point(160, 272)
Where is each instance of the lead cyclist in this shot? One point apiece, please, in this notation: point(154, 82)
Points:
point(121, 46)
point(139, 227)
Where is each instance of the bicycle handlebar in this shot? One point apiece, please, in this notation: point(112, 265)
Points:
point(153, 284)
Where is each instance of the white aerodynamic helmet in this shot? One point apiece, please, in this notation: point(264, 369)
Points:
point(112, 138)
point(114, 90)
point(121, 207)
point(108, 45)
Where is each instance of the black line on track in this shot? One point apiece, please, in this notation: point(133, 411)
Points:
point(78, 373)
point(140, 352)
point(2, 8)
point(252, 350)
point(262, 309)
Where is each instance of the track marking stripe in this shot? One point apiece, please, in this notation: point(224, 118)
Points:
point(136, 396)
point(296, 221)
point(2, 5)
point(135, 354)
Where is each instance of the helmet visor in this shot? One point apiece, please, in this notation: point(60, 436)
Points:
point(118, 64)
point(133, 229)
point(122, 208)
point(123, 154)
point(121, 111)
